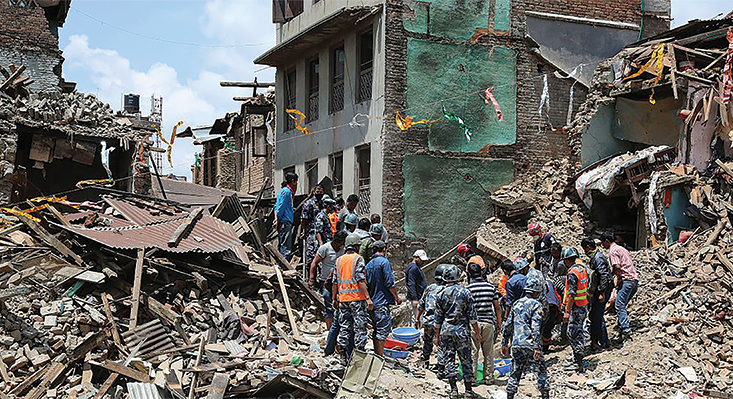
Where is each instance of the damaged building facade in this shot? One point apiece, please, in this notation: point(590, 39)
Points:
point(237, 150)
point(51, 136)
point(659, 100)
point(350, 67)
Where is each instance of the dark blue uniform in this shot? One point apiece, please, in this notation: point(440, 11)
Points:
point(455, 313)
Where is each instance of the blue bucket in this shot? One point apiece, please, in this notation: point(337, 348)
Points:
point(408, 335)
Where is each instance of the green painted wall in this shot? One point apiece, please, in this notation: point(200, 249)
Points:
point(502, 15)
point(457, 75)
point(447, 198)
point(454, 19)
point(418, 21)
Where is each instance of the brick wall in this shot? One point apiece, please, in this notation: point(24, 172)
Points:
point(613, 10)
point(25, 39)
point(25, 27)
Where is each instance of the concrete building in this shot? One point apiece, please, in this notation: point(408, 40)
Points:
point(351, 66)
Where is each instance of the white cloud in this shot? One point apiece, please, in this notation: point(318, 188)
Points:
point(195, 102)
point(686, 10)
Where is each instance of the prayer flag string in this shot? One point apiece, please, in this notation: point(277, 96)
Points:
point(407, 122)
point(489, 99)
point(298, 120)
point(453, 117)
point(655, 65)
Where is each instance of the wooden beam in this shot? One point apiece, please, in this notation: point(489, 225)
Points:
point(725, 261)
point(4, 373)
point(106, 385)
point(87, 346)
point(124, 370)
point(673, 69)
point(12, 78)
point(137, 282)
point(59, 216)
point(184, 227)
point(202, 343)
point(265, 184)
point(27, 382)
point(247, 84)
point(278, 256)
point(51, 240)
point(286, 299)
point(53, 371)
point(111, 318)
point(173, 385)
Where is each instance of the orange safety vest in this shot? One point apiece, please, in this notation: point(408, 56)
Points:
point(502, 285)
point(348, 287)
point(581, 294)
point(334, 219)
point(477, 260)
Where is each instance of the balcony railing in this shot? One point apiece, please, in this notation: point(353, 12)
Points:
point(337, 96)
point(365, 85)
point(313, 106)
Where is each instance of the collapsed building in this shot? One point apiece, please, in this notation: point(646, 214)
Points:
point(53, 137)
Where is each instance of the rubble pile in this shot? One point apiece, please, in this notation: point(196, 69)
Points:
point(85, 314)
point(537, 197)
point(71, 113)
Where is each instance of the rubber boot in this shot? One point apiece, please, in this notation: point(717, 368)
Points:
point(509, 396)
point(453, 389)
point(545, 394)
point(469, 389)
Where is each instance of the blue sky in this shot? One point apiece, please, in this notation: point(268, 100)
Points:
point(117, 55)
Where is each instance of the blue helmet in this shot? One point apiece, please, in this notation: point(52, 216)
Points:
point(520, 263)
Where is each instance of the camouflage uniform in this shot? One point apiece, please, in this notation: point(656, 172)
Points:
point(322, 225)
point(353, 317)
point(523, 328)
point(577, 318)
point(311, 209)
point(455, 313)
point(427, 305)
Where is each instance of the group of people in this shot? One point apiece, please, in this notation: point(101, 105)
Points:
point(461, 313)
point(347, 264)
point(555, 287)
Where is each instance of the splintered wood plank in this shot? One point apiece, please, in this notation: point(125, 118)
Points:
point(218, 386)
point(137, 282)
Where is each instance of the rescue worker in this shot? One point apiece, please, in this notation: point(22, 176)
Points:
point(350, 222)
point(350, 209)
point(308, 214)
point(466, 252)
point(362, 228)
point(542, 244)
point(603, 288)
point(557, 268)
point(575, 303)
point(351, 296)
point(515, 284)
point(375, 234)
point(454, 317)
point(523, 329)
point(415, 281)
point(553, 314)
point(376, 219)
point(380, 281)
point(322, 224)
point(333, 219)
point(426, 313)
point(507, 266)
point(326, 257)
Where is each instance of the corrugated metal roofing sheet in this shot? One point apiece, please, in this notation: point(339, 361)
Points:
point(209, 235)
point(116, 222)
point(136, 214)
point(139, 390)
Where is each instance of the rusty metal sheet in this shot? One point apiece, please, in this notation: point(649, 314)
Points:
point(208, 235)
point(136, 214)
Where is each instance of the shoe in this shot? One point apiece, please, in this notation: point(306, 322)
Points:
point(469, 390)
point(453, 389)
point(593, 347)
point(343, 359)
point(509, 396)
point(626, 335)
point(579, 364)
point(545, 394)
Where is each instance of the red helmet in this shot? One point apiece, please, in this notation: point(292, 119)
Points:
point(533, 229)
point(463, 249)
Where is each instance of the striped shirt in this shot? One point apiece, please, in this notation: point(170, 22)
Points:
point(484, 294)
